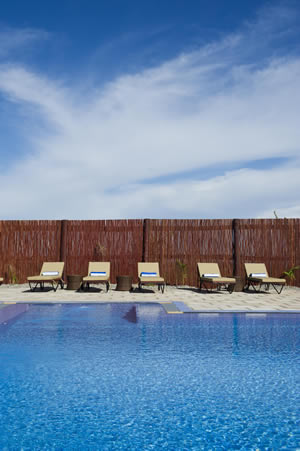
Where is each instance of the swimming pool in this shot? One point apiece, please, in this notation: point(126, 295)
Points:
point(130, 376)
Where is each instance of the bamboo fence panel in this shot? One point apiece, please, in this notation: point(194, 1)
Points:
point(117, 241)
point(274, 242)
point(25, 245)
point(190, 241)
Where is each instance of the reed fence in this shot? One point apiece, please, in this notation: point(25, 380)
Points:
point(24, 245)
point(175, 244)
point(117, 241)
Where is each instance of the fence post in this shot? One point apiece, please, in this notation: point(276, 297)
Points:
point(291, 241)
point(63, 236)
point(145, 239)
point(235, 247)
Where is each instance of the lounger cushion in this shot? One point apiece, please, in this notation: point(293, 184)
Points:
point(50, 273)
point(149, 280)
point(211, 275)
point(220, 280)
point(98, 273)
point(271, 280)
point(43, 278)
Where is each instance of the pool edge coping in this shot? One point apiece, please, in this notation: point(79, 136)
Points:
point(169, 307)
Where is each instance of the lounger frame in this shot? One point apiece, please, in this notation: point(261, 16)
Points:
point(258, 282)
point(155, 280)
point(228, 283)
point(55, 282)
point(96, 267)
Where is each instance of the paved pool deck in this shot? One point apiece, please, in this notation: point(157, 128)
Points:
point(175, 299)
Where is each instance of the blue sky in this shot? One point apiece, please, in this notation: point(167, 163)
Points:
point(128, 109)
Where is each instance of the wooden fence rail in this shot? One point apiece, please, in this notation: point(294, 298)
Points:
point(25, 245)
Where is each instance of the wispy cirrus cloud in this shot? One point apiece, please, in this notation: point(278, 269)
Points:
point(105, 150)
point(13, 40)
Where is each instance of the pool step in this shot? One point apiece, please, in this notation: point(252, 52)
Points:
point(183, 307)
point(170, 307)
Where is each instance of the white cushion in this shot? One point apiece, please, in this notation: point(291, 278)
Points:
point(258, 274)
point(148, 274)
point(98, 273)
point(211, 275)
point(50, 273)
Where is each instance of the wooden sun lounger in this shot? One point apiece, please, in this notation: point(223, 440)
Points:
point(148, 274)
point(51, 272)
point(98, 272)
point(209, 273)
point(257, 276)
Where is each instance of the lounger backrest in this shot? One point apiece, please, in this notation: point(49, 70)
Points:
point(208, 268)
point(99, 267)
point(256, 268)
point(148, 267)
point(53, 266)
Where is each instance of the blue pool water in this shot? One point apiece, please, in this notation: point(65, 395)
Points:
point(131, 377)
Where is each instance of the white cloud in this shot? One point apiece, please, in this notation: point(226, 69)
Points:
point(209, 107)
point(238, 194)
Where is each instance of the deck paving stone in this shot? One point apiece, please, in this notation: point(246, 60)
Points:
point(289, 299)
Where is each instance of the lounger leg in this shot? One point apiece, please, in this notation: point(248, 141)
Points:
point(278, 291)
point(58, 284)
point(107, 286)
point(253, 286)
point(230, 287)
point(32, 288)
point(202, 284)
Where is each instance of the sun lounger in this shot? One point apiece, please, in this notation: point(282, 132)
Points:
point(51, 272)
point(98, 272)
point(1, 280)
point(257, 276)
point(209, 273)
point(148, 274)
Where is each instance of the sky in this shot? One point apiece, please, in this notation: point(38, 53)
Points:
point(149, 109)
